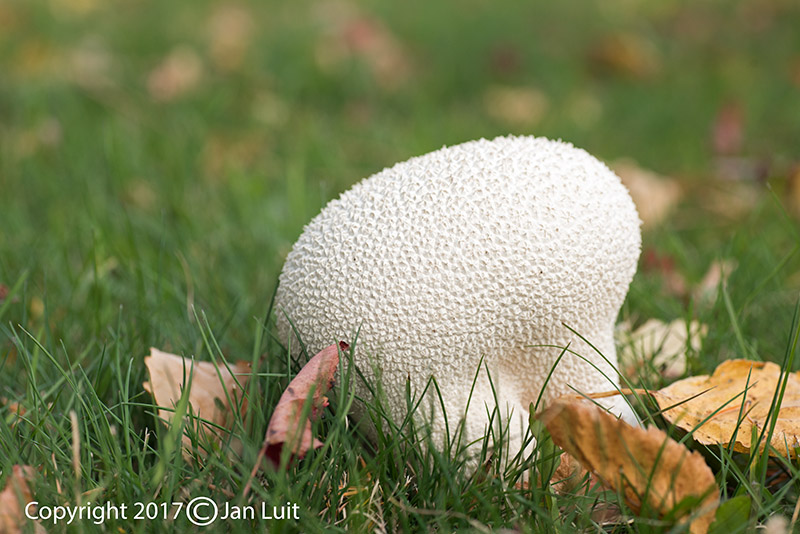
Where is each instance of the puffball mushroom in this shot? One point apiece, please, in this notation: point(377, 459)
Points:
point(473, 256)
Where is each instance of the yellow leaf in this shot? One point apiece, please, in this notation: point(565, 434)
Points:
point(723, 395)
point(645, 465)
point(211, 389)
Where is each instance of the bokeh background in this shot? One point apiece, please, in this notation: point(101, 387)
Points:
point(156, 156)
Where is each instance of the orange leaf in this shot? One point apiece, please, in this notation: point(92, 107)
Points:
point(650, 469)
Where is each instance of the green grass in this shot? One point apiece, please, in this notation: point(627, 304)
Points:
point(127, 222)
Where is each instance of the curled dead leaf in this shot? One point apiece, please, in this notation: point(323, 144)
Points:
point(287, 426)
point(734, 406)
point(651, 470)
point(214, 395)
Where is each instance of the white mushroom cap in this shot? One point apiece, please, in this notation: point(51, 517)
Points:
point(483, 249)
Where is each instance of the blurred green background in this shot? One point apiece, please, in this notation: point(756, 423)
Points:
point(159, 158)
point(158, 155)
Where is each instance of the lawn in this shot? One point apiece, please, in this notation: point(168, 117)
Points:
point(158, 160)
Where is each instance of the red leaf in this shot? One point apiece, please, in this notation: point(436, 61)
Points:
point(287, 426)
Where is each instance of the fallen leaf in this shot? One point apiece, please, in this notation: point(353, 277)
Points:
point(741, 169)
point(519, 106)
point(45, 135)
point(652, 471)
point(74, 7)
point(221, 153)
point(664, 265)
point(13, 499)
point(15, 410)
point(287, 425)
point(230, 30)
point(727, 131)
point(568, 474)
point(794, 74)
point(505, 59)
point(731, 200)
point(793, 189)
point(654, 195)
point(625, 54)
point(718, 272)
point(348, 32)
point(211, 389)
point(660, 346)
point(90, 65)
point(721, 397)
point(34, 58)
point(177, 74)
point(776, 524)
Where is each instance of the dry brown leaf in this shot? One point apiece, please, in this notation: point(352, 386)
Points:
point(567, 475)
point(722, 392)
point(518, 106)
point(211, 387)
point(654, 195)
point(178, 73)
point(13, 499)
point(662, 345)
point(644, 464)
point(286, 426)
